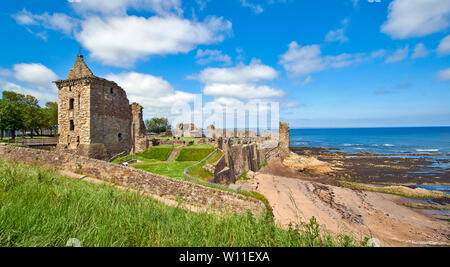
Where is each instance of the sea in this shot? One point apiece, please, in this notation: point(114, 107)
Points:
point(429, 142)
point(388, 141)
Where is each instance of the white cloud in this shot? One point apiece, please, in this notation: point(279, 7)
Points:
point(254, 72)
point(241, 81)
point(120, 7)
point(420, 51)
point(444, 46)
point(416, 18)
point(155, 94)
point(444, 75)
point(207, 56)
point(43, 95)
point(338, 35)
point(57, 21)
point(256, 8)
point(120, 41)
point(304, 60)
point(38, 78)
point(399, 55)
point(35, 74)
point(242, 91)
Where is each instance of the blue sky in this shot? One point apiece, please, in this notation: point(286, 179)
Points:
point(328, 63)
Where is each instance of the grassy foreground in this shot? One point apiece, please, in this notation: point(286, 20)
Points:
point(42, 208)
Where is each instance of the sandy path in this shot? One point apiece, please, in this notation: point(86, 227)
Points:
point(365, 214)
point(173, 154)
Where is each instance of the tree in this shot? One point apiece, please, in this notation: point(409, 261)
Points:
point(2, 120)
point(11, 116)
point(50, 117)
point(32, 113)
point(157, 125)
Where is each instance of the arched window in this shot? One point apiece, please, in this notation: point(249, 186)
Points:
point(119, 137)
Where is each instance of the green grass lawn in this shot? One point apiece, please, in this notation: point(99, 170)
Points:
point(195, 152)
point(153, 154)
point(161, 152)
point(42, 208)
point(174, 169)
point(202, 174)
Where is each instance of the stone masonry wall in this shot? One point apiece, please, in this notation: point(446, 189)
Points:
point(138, 131)
point(110, 117)
point(189, 193)
point(284, 139)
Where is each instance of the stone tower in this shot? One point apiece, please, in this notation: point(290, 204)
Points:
point(94, 114)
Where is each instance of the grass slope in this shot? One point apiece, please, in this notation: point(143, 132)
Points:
point(161, 152)
point(42, 208)
point(174, 169)
point(195, 152)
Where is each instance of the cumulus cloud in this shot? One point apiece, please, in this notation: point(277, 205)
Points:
point(304, 60)
point(57, 21)
point(207, 56)
point(121, 41)
point(399, 55)
point(416, 18)
point(31, 79)
point(242, 91)
point(155, 94)
point(444, 75)
point(120, 7)
point(254, 72)
point(444, 46)
point(43, 95)
point(34, 74)
point(242, 81)
point(420, 51)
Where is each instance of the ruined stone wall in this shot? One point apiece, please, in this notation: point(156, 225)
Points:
point(138, 131)
point(238, 159)
point(284, 139)
point(186, 192)
point(110, 117)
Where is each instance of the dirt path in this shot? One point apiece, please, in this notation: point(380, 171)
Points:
point(342, 210)
point(173, 154)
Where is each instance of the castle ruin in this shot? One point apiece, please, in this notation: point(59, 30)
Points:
point(95, 117)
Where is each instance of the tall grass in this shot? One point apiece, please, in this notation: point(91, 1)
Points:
point(42, 208)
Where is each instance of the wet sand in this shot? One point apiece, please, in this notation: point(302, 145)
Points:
point(409, 170)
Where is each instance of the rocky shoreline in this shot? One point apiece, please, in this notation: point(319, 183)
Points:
point(382, 169)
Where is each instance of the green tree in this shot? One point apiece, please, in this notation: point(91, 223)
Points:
point(2, 121)
point(32, 114)
point(49, 119)
point(157, 125)
point(11, 114)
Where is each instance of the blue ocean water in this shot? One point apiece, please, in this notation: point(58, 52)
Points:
point(393, 141)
